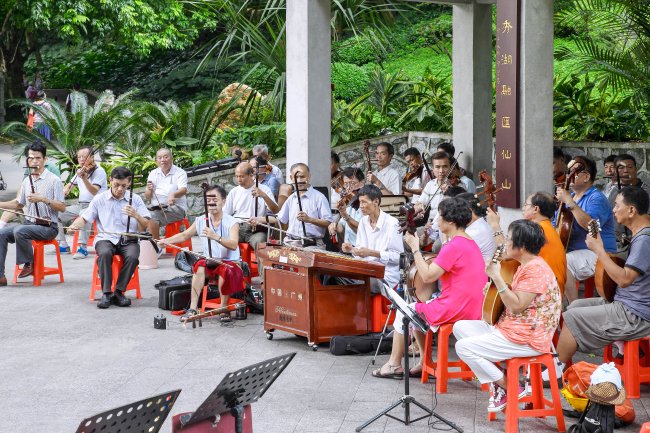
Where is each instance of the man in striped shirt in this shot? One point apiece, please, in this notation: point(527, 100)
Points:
point(41, 208)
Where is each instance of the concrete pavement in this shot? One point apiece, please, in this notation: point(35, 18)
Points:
point(63, 360)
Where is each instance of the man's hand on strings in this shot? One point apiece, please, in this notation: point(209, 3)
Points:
point(130, 211)
point(210, 234)
point(332, 229)
point(36, 198)
point(257, 192)
point(150, 186)
point(302, 216)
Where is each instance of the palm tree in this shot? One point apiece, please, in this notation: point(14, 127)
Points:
point(614, 45)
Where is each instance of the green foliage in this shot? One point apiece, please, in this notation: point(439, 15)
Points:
point(350, 81)
point(344, 125)
point(357, 50)
point(274, 135)
point(431, 108)
point(584, 112)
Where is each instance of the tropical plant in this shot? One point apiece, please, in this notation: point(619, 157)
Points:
point(344, 124)
point(614, 46)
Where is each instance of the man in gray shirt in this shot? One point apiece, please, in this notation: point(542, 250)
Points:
point(591, 324)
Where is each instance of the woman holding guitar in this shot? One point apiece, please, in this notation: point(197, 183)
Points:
point(532, 313)
point(591, 324)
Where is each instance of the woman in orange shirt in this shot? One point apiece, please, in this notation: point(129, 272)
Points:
point(540, 208)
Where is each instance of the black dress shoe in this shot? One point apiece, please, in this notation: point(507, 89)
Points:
point(105, 302)
point(120, 300)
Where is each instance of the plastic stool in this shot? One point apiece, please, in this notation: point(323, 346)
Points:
point(96, 285)
point(541, 406)
point(378, 312)
point(247, 254)
point(173, 229)
point(645, 428)
point(440, 369)
point(91, 239)
point(589, 287)
point(634, 369)
point(40, 270)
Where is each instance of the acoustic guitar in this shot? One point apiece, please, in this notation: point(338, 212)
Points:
point(605, 286)
point(492, 304)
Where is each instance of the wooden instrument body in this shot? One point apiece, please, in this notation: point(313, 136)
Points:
point(296, 302)
point(564, 221)
point(492, 304)
point(414, 281)
point(605, 286)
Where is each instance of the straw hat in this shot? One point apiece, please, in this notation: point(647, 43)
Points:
point(606, 393)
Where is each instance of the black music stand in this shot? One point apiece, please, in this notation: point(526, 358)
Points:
point(146, 415)
point(407, 399)
point(238, 389)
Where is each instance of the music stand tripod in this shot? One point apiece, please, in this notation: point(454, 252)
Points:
point(407, 399)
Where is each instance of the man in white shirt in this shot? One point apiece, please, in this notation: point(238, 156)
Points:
point(91, 180)
point(378, 238)
point(479, 229)
point(263, 151)
point(312, 221)
point(420, 175)
point(166, 190)
point(345, 224)
point(434, 190)
point(114, 215)
point(465, 181)
point(245, 202)
point(386, 178)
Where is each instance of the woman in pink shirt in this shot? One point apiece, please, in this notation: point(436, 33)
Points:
point(528, 323)
point(460, 268)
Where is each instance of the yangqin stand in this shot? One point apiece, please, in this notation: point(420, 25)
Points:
point(227, 409)
point(146, 415)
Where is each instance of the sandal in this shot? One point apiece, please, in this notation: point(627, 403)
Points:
point(413, 348)
point(416, 371)
point(225, 317)
point(394, 372)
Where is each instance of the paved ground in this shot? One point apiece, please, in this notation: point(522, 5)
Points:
point(63, 360)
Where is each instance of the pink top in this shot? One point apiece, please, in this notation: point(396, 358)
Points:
point(461, 285)
point(535, 325)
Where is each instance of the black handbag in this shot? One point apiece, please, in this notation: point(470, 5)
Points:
point(359, 344)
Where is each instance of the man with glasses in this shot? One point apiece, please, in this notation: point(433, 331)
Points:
point(345, 226)
point(45, 202)
point(166, 190)
point(585, 203)
point(111, 210)
point(386, 178)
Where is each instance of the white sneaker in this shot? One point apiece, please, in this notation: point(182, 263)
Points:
point(559, 370)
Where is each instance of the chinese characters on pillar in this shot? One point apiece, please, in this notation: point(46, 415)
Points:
point(507, 100)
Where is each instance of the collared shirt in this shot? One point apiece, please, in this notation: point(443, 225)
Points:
point(275, 171)
point(386, 239)
point(46, 184)
point(390, 178)
point(611, 194)
point(468, 184)
point(351, 235)
point(169, 183)
point(433, 195)
point(223, 229)
point(97, 178)
point(273, 184)
point(107, 211)
point(314, 204)
point(240, 202)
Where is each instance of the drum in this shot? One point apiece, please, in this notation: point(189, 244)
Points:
point(414, 281)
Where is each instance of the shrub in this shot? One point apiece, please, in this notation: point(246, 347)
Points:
point(350, 81)
point(357, 50)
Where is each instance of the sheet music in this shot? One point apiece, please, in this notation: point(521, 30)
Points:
point(405, 308)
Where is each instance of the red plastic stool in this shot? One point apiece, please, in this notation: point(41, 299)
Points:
point(645, 428)
point(541, 406)
point(441, 368)
point(378, 312)
point(589, 287)
point(634, 369)
point(173, 229)
point(40, 270)
point(96, 286)
point(247, 254)
point(91, 239)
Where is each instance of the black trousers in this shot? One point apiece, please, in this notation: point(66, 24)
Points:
point(130, 255)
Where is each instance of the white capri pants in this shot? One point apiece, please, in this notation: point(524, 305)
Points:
point(480, 345)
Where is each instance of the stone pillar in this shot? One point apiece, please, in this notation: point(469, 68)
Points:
point(308, 87)
point(472, 85)
point(536, 97)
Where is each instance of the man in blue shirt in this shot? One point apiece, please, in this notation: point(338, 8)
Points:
point(586, 203)
point(265, 176)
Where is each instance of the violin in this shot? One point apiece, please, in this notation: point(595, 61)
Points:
point(88, 167)
point(412, 174)
point(337, 182)
point(366, 151)
point(488, 195)
point(564, 221)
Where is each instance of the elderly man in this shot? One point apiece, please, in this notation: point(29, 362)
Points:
point(265, 177)
point(244, 202)
point(166, 189)
point(46, 201)
point(91, 180)
point(111, 210)
point(263, 151)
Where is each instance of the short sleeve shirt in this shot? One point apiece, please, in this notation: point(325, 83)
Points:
point(594, 203)
point(535, 325)
point(167, 184)
point(314, 204)
point(636, 296)
point(390, 178)
point(107, 211)
point(461, 285)
point(97, 178)
point(47, 184)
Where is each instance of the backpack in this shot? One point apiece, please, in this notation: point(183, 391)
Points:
point(597, 418)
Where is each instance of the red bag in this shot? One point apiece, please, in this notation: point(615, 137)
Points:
point(577, 379)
